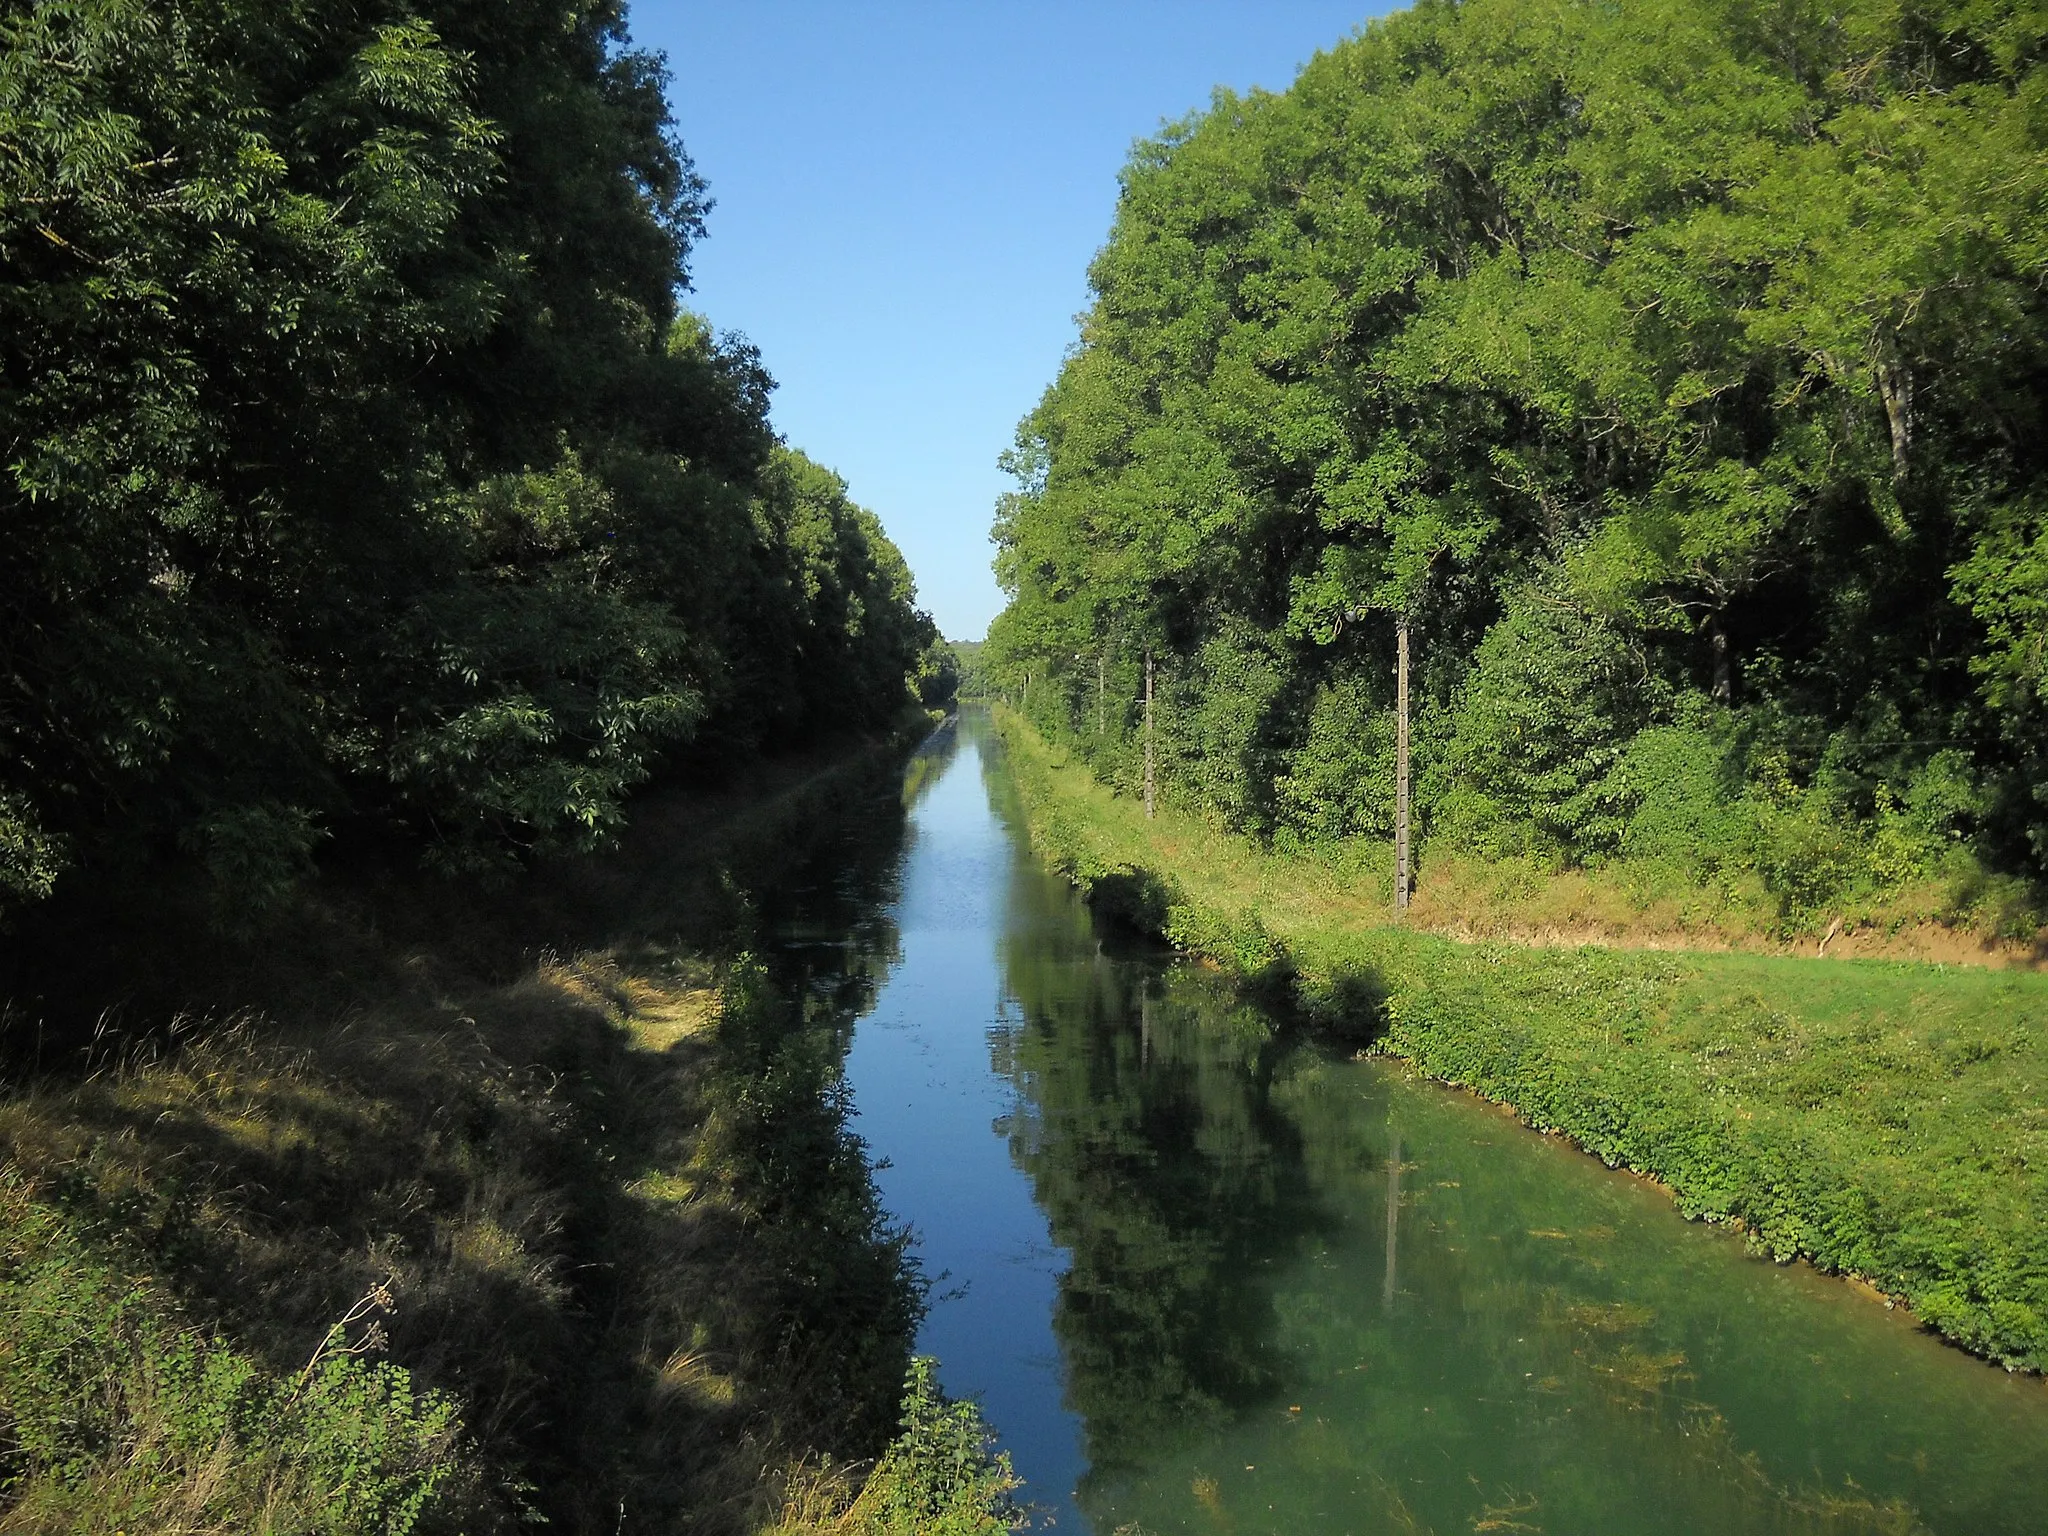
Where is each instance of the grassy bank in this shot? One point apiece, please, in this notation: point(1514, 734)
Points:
point(1887, 1120)
point(430, 1208)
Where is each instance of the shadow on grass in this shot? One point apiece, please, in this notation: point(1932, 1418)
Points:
point(593, 1160)
point(1134, 899)
point(1349, 1008)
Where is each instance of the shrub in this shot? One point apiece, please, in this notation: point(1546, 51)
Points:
point(117, 1415)
point(1684, 802)
point(1215, 726)
point(942, 1476)
point(1340, 782)
point(1542, 722)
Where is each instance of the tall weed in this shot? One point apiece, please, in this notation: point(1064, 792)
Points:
point(118, 1415)
point(941, 1476)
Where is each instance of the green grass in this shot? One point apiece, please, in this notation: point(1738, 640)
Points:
point(941, 1476)
point(121, 1417)
point(435, 1209)
point(1887, 1120)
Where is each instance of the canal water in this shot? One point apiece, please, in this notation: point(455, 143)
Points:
point(1208, 1278)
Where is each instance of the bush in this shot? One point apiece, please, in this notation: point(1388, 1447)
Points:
point(942, 1476)
point(1541, 724)
point(1340, 782)
point(1684, 802)
point(116, 1415)
point(1214, 726)
point(1818, 850)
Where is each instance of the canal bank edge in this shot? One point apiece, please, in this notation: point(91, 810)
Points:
point(1882, 1119)
point(578, 1235)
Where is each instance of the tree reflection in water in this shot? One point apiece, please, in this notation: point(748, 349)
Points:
point(1312, 1294)
point(1148, 1124)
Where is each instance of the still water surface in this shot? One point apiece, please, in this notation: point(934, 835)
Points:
point(1208, 1278)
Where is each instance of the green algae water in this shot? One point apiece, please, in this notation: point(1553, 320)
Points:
point(1208, 1277)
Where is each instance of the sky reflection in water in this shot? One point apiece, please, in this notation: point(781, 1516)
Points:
point(1206, 1279)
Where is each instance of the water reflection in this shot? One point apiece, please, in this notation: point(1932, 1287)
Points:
point(919, 1069)
point(1218, 1280)
point(833, 912)
point(1310, 1294)
point(1166, 1170)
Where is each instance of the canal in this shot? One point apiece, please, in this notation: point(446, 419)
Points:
point(1207, 1277)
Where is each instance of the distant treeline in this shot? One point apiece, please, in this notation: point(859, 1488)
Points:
point(971, 681)
point(1677, 371)
point(360, 468)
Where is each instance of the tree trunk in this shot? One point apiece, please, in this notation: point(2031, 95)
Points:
point(1724, 664)
point(1895, 388)
point(1149, 783)
point(1099, 663)
point(1401, 771)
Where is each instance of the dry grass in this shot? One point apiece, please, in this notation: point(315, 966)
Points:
point(1525, 901)
point(498, 1112)
point(1635, 907)
point(1878, 1116)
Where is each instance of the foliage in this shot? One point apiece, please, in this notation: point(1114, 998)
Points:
point(1540, 726)
point(595, 1221)
point(1664, 366)
point(119, 1416)
point(937, 679)
point(360, 466)
point(941, 1475)
point(1875, 1117)
point(967, 663)
point(1340, 781)
point(829, 1252)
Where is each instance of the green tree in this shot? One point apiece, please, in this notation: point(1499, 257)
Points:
point(1721, 325)
point(360, 468)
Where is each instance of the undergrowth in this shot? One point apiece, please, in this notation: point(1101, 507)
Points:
point(1883, 1119)
point(1701, 858)
point(941, 1476)
point(121, 1416)
point(430, 1208)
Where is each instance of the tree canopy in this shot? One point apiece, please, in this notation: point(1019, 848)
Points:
point(1676, 371)
point(361, 468)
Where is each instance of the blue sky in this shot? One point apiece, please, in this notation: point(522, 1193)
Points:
point(908, 195)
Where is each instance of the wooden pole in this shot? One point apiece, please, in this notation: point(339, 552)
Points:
point(1401, 771)
point(1149, 782)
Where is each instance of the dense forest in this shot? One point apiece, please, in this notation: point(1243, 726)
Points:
point(363, 474)
point(1675, 373)
point(375, 519)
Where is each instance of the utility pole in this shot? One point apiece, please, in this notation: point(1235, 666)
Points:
point(1401, 769)
point(1148, 736)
